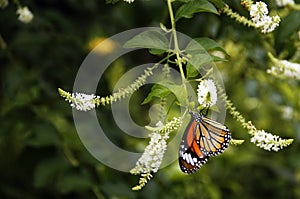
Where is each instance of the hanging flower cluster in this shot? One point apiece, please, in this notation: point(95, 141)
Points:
point(260, 138)
point(259, 15)
point(153, 154)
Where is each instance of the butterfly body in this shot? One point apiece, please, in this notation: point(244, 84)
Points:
point(202, 139)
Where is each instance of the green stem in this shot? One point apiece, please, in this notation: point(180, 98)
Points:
point(176, 47)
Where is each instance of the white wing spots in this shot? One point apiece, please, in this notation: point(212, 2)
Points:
point(189, 159)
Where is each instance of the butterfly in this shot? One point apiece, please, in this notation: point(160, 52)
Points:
point(203, 138)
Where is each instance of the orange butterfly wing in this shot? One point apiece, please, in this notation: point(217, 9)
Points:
point(202, 138)
point(191, 157)
point(216, 137)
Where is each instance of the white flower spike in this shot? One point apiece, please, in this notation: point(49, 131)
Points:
point(269, 141)
point(152, 157)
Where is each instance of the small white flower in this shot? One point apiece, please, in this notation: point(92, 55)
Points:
point(3, 3)
point(207, 93)
point(282, 3)
point(83, 102)
point(258, 9)
point(269, 24)
point(268, 141)
point(129, 1)
point(259, 15)
point(285, 68)
point(25, 15)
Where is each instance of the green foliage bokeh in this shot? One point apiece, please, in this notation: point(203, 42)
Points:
point(41, 153)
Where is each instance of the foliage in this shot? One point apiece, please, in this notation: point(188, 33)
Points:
point(42, 156)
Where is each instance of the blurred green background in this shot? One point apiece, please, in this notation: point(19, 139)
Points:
point(41, 153)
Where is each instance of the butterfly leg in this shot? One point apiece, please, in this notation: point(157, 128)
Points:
point(206, 111)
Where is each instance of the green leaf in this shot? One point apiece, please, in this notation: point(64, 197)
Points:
point(198, 55)
point(157, 90)
point(210, 45)
point(187, 10)
point(218, 3)
point(216, 58)
point(177, 90)
point(198, 60)
point(156, 51)
point(165, 88)
point(191, 71)
point(199, 49)
point(148, 39)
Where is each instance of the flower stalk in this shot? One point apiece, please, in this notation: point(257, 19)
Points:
point(179, 60)
point(236, 16)
point(85, 102)
point(260, 138)
point(259, 16)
